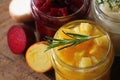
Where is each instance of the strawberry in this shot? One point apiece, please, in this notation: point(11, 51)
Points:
point(19, 38)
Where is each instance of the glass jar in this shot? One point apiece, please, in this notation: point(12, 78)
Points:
point(47, 25)
point(65, 71)
point(110, 22)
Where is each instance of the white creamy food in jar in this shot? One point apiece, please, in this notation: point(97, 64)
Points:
point(109, 14)
point(113, 12)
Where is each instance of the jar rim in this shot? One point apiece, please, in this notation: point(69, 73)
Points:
point(104, 14)
point(70, 15)
point(93, 66)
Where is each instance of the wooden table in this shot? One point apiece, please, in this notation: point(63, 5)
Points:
point(14, 67)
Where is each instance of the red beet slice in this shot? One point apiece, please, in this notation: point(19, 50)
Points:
point(19, 38)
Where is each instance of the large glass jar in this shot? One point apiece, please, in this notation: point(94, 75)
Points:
point(87, 60)
point(47, 25)
point(107, 14)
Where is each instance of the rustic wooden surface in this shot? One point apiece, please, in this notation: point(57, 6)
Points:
point(14, 67)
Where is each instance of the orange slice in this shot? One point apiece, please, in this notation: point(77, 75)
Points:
point(37, 58)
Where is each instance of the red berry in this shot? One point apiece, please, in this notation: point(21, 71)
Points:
point(19, 38)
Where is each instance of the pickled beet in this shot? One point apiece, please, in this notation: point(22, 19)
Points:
point(58, 11)
point(39, 3)
point(63, 7)
point(50, 15)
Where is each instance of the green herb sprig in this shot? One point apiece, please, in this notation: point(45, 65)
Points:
point(65, 43)
point(112, 3)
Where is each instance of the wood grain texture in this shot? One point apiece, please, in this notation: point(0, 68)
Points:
point(14, 67)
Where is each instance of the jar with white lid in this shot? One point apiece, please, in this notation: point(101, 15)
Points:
point(107, 14)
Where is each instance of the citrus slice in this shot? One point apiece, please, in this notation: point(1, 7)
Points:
point(37, 58)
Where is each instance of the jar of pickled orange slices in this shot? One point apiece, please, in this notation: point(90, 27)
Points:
point(89, 60)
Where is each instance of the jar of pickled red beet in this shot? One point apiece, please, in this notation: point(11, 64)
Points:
point(49, 15)
point(107, 14)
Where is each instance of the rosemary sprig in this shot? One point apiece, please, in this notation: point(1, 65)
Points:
point(65, 43)
point(112, 3)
